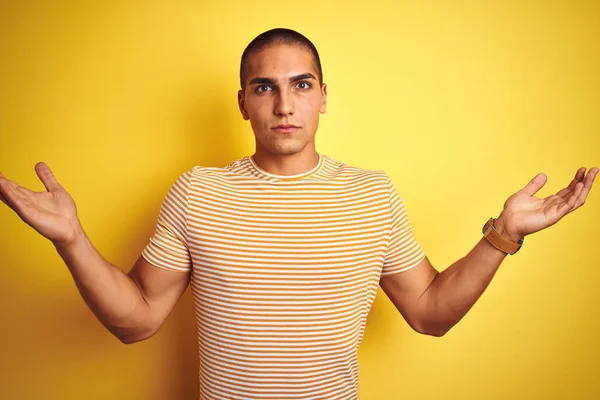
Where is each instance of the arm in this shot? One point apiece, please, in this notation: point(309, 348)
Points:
point(441, 299)
point(433, 302)
point(131, 306)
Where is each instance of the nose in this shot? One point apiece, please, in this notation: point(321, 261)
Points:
point(284, 103)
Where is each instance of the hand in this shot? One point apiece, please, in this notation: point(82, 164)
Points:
point(52, 213)
point(524, 213)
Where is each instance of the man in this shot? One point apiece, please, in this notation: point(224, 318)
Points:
point(284, 249)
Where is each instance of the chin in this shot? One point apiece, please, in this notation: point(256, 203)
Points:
point(277, 144)
point(287, 151)
point(287, 148)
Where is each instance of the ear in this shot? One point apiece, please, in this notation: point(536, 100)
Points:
point(242, 105)
point(323, 98)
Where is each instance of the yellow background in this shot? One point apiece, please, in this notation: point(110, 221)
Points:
point(462, 103)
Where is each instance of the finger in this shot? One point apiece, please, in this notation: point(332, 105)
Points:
point(578, 178)
point(569, 204)
point(587, 186)
point(18, 189)
point(3, 199)
point(535, 184)
point(3, 188)
point(47, 177)
point(13, 195)
point(3, 178)
point(9, 194)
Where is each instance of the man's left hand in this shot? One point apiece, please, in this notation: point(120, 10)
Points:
point(524, 213)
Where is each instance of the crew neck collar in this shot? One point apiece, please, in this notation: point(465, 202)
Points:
point(265, 174)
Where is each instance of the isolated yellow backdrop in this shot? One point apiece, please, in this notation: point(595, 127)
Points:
point(462, 103)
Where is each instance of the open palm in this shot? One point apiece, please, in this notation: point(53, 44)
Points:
point(526, 214)
point(52, 213)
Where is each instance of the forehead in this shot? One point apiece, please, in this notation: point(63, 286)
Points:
point(280, 61)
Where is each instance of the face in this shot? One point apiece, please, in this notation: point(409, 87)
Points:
point(282, 99)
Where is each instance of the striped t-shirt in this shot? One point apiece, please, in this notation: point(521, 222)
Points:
point(284, 270)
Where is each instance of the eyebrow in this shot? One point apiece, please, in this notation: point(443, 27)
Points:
point(271, 81)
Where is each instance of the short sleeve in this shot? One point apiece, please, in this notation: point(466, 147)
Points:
point(403, 251)
point(167, 248)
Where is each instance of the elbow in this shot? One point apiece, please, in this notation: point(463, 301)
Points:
point(434, 333)
point(126, 340)
point(133, 339)
point(130, 337)
point(431, 330)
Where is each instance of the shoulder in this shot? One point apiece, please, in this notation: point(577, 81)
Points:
point(355, 173)
point(208, 178)
point(200, 172)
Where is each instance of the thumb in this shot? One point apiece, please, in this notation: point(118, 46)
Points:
point(47, 177)
point(535, 184)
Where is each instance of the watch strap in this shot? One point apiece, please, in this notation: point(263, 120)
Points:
point(498, 241)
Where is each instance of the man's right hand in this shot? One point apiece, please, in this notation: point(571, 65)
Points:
point(132, 306)
point(52, 213)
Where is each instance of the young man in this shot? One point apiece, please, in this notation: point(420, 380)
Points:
point(284, 249)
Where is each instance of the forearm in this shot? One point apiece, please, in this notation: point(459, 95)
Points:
point(111, 294)
point(456, 289)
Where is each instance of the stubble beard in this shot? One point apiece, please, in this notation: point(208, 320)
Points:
point(285, 146)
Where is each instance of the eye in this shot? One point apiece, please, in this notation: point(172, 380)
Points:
point(263, 88)
point(305, 85)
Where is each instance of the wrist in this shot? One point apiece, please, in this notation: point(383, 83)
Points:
point(73, 240)
point(504, 229)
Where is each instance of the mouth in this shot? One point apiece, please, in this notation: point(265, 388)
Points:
point(285, 128)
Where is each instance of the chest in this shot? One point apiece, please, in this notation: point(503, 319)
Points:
point(330, 234)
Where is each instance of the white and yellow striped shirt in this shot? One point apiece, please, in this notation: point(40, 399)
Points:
point(284, 270)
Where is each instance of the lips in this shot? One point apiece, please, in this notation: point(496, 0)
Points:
point(285, 128)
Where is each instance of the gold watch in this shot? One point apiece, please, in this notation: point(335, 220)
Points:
point(498, 241)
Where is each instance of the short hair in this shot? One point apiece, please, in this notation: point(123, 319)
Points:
point(279, 36)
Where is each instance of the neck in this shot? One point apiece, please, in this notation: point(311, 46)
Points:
point(287, 164)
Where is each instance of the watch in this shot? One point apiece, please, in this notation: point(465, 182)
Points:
point(498, 241)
